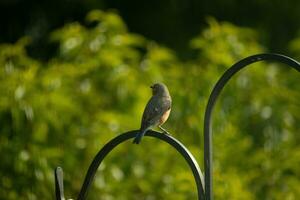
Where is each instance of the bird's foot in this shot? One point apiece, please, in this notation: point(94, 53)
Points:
point(164, 130)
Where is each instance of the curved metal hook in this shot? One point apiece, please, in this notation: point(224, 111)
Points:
point(213, 97)
point(129, 135)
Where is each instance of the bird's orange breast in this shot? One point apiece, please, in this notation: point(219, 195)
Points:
point(164, 117)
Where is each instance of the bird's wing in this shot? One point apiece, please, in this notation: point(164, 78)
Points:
point(167, 104)
point(155, 108)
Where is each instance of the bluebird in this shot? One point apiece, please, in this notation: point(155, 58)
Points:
point(156, 112)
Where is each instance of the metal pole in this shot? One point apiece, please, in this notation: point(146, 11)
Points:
point(208, 148)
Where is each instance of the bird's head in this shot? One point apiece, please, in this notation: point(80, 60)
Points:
point(159, 89)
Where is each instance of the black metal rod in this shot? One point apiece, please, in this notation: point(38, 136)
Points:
point(129, 135)
point(208, 148)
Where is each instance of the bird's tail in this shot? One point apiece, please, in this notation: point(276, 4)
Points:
point(139, 136)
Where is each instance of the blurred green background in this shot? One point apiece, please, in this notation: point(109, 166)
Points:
point(74, 74)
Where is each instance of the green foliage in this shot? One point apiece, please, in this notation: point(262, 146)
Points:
point(60, 113)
